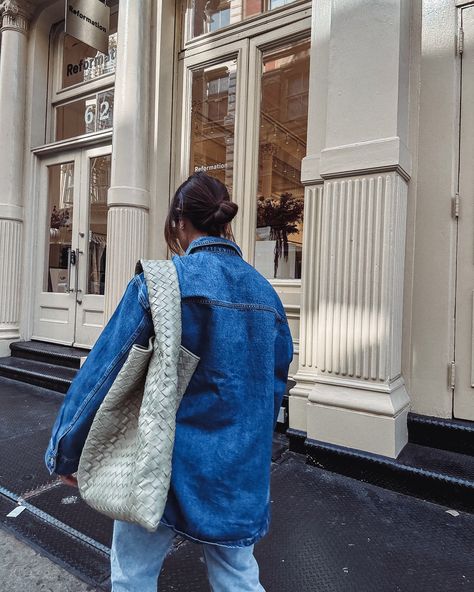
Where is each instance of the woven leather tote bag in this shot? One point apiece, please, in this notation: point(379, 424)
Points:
point(125, 467)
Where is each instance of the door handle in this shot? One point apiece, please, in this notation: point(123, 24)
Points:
point(69, 263)
point(77, 252)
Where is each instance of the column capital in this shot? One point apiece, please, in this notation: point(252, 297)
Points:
point(16, 15)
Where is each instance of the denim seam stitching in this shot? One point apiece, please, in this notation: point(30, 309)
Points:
point(216, 248)
point(216, 241)
point(141, 297)
point(237, 305)
point(252, 538)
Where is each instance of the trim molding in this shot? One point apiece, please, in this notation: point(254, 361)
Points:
point(384, 154)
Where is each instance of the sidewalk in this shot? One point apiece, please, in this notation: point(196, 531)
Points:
point(22, 569)
point(329, 533)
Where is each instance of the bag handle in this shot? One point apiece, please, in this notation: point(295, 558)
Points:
point(165, 300)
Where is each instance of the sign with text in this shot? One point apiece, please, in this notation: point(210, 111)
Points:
point(88, 21)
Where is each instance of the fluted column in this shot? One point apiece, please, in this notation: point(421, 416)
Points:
point(15, 15)
point(350, 390)
point(129, 196)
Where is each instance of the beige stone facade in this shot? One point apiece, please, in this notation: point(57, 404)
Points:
point(377, 277)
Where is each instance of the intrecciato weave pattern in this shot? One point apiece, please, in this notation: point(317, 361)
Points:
point(125, 467)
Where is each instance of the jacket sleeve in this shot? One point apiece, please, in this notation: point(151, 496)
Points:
point(283, 357)
point(131, 323)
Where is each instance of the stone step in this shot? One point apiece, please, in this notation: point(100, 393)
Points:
point(51, 353)
point(50, 376)
point(454, 435)
point(432, 474)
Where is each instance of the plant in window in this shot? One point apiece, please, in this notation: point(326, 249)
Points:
point(282, 215)
point(59, 218)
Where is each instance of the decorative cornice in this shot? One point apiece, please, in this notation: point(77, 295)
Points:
point(16, 15)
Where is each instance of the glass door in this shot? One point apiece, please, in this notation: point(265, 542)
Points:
point(243, 118)
point(277, 122)
point(92, 241)
point(72, 247)
point(212, 116)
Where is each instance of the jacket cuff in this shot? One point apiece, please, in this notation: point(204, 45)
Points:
point(60, 465)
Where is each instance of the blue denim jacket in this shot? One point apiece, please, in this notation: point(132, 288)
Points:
point(234, 321)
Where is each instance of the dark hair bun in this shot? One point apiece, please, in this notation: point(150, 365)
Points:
point(225, 212)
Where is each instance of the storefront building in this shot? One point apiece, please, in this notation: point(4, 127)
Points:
point(343, 131)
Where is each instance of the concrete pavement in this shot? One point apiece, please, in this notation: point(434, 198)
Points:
point(22, 569)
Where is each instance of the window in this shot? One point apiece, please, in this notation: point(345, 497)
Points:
point(81, 63)
point(258, 78)
point(207, 16)
point(213, 119)
point(82, 94)
point(282, 145)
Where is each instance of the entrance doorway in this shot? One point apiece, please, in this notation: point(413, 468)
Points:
point(242, 116)
point(72, 246)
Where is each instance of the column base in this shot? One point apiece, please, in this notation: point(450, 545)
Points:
point(298, 401)
point(5, 339)
point(372, 421)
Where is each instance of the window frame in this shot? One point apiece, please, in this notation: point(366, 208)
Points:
point(247, 40)
point(58, 96)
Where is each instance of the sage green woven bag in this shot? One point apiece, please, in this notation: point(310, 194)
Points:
point(125, 466)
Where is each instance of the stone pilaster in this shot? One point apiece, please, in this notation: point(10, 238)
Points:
point(129, 196)
point(15, 17)
point(350, 390)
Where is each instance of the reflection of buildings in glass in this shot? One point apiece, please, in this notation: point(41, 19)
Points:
point(213, 119)
point(211, 15)
point(99, 183)
point(283, 124)
point(82, 63)
point(101, 63)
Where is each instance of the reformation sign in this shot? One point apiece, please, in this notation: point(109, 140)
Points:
point(88, 21)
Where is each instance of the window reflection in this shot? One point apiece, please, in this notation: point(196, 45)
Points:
point(99, 183)
point(282, 145)
point(213, 120)
point(82, 63)
point(60, 212)
point(207, 16)
point(85, 116)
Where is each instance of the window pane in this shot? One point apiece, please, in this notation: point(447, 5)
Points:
point(213, 120)
point(282, 145)
point(60, 210)
point(85, 116)
point(99, 183)
point(206, 16)
point(82, 62)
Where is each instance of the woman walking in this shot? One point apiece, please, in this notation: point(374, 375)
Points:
point(233, 320)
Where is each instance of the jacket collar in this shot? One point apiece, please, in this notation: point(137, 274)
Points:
point(212, 241)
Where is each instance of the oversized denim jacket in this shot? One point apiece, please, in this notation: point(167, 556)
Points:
point(234, 321)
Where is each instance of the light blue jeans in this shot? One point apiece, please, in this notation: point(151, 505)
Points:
point(137, 556)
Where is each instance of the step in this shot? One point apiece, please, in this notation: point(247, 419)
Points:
point(51, 376)
point(51, 353)
point(431, 474)
point(455, 435)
